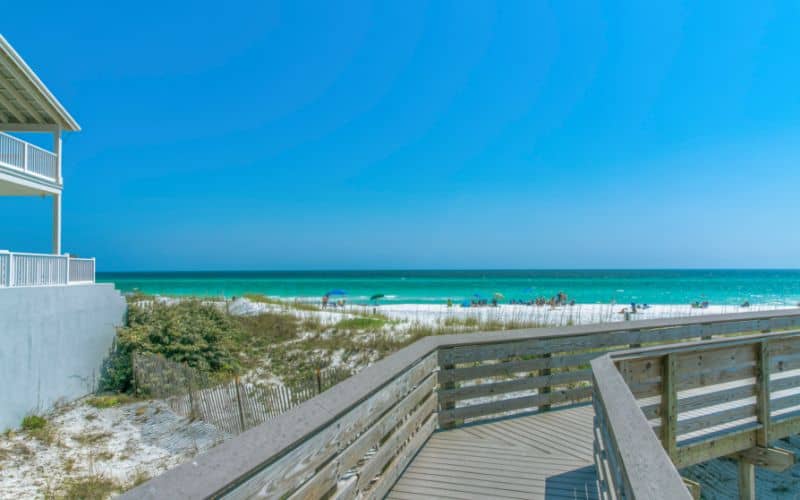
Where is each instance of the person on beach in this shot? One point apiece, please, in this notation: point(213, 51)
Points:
point(449, 303)
point(325, 299)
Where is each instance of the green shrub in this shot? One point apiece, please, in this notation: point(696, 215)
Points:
point(33, 422)
point(39, 428)
point(191, 332)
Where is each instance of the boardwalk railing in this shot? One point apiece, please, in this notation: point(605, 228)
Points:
point(701, 401)
point(355, 440)
point(20, 155)
point(33, 269)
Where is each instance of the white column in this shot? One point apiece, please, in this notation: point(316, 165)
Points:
point(57, 224)
point(57, 197)
point(57, 152)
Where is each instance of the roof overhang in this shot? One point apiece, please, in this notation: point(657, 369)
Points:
point(25, 102)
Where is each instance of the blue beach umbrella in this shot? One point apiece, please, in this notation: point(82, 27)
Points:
point(337, 291)
point(477, 296)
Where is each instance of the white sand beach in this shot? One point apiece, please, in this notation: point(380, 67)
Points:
point(431, 314)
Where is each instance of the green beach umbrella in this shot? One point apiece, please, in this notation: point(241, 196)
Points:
point(499, 296)
point(377, 296)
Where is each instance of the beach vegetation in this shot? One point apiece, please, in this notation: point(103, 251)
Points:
point(39, 428)
point(109, 400)
point(33, 423)
point(257, 334)
point(192, 332)
point(361, 323)
point(92, 487)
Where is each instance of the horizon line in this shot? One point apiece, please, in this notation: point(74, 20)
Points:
point(464, 269)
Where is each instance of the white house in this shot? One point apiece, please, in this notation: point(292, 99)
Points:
point(56, 324)
point(26, 105)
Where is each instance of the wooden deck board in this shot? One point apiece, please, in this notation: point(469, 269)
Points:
point(543, 455)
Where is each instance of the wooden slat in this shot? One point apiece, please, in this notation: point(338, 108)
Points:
point(521, 384)
point(703, 400)
point(779, 384)
point(784, 362)
point(687, 381)
point(712, 448)
point(639, 370)
point(494, 407)
point(473, 353)
point(704, 358)
point(783, 402)
point(784, 347)
point(513, 367)
point(716, 418)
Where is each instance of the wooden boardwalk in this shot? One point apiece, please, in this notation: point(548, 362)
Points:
point(542, 455)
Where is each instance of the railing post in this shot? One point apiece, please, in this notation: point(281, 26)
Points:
point(747, 480)
point(57, 152)
point(25, 157)
point(545, 372)
point(636, 345)
point(445, 364)
point(10, 269)
point(669, 402)
point(705, 337)
point(762, 393)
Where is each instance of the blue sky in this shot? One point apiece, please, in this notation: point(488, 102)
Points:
point(420, 134)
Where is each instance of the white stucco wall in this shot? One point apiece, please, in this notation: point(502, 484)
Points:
point(53, 341)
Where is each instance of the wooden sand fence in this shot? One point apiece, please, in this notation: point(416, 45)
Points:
point(233, 406)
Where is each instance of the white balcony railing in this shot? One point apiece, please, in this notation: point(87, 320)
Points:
point(35, 269)
point(20, 155)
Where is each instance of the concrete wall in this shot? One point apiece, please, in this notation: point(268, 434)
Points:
point(53, 341)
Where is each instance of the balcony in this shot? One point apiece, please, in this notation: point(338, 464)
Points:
point(33, 269)
point(27, 166)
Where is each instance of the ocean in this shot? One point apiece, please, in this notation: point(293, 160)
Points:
point(724, 287)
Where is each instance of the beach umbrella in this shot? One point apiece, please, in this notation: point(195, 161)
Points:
point(477, 296)
point(337, 291)
point(499, 296)
point(377, 296)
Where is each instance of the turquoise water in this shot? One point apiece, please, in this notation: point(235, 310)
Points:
point(651, 286)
